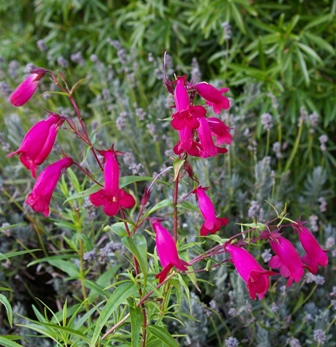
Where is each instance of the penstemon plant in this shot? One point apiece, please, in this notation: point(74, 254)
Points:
point(134, 310)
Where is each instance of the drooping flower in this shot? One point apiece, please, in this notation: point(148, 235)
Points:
point(315, 254)
point(187, 143)
point(211, 223)
point(209, 149)
point(220, 222)
point(181, 96)
point(38, 142)
point(255, 276)
point(111, 197)
point(27, 88)
point(167, 250)
point(213, 96)
point(188, 118)
point(286, 258)
point(220, 130)
point(39, 198)
point(185, 115)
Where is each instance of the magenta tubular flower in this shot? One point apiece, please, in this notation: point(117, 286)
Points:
point(213, 96)
point(188, 118)
point(255, 276)
point(204, 133)
point(38, 142)
point(220, 222)
point(209, 149)
point(286, 258)
point(167, 250)
point(220, 130)
point(181, 96)
point(27, 88)
point(193, 150)
point(206, 207)
point(211, 223)
point(111, 197)
point(39, 198)
point(185, 115)
point(187, 143)
point(315, 254)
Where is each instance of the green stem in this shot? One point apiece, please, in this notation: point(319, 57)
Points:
point(279, 132)
point(306, 299)
point(82, 271)
point(141, 302)
point(310, 149)
point(330, 325)
point(279, 137)
point(267, 143)
point(295, 148)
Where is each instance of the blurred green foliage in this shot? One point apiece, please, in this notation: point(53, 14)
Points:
point(286, 48)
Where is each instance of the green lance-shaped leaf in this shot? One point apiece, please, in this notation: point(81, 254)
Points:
point(74, 179)
point(8, 307)
point(7, 342)
point(123, 292)
point(14, 254)
point(52, 330)
point(136, 323)
point(137, 245)
point(76, 85)
point(237, 17)
point(69, 268)
point(163, 335)
point(162, 204)
point(118, 228)
point(303, 66)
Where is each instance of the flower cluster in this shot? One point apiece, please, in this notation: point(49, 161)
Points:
point(196, 131)
point(286, 259)
point(38, 143)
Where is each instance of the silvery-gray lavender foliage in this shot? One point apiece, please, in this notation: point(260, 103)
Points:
point(195, 328)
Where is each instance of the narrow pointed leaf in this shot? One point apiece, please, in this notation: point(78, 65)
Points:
point(8, 307)
point(137, 245)
point(136, 323)
point(163, 335)
point(123, 292)
point(7, 342)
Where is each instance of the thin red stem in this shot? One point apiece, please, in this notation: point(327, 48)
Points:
point(175, 202)
point(87, 174)
point(85, 131)
point(86, 137)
